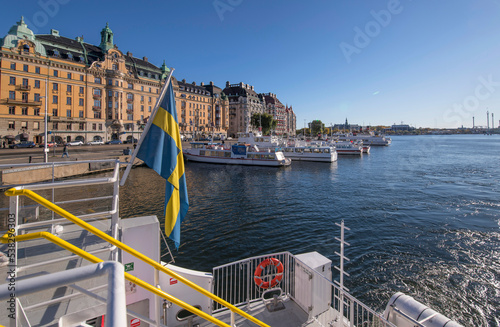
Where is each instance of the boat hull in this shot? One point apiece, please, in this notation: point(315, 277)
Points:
point(236, 161)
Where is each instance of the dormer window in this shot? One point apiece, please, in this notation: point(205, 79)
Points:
point(56, 53)
point(26, 48)
point(141, 73)
point(149, 75)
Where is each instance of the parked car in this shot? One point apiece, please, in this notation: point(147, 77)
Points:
point(114, 142)
point(22, 144)
point(72, 143)
point(96, 142)
point(49, 145)
point(130, 141)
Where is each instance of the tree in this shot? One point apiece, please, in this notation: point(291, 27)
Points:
point(317, 127)
point(265, 120)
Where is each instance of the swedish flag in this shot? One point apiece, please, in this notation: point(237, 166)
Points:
point(161, 150)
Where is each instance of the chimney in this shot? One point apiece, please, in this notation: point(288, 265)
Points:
point(129, 54)
point(145, 59)
point(251, 87)
point(211, 83)
point(202, 84)
point(194, 83)
point(227, 84)
point(184, 80)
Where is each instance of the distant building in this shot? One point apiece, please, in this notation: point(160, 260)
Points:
point(347, 127)
point(400, 128)
point(90, 92)
point(243, 103)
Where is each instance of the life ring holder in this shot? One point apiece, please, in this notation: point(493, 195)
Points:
point(261, 266)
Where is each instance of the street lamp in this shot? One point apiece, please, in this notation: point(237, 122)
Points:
point(45, 149)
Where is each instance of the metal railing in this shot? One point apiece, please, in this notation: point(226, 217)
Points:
point(15, 192)
point(235, 283)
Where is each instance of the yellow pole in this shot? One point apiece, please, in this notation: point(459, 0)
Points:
point(63, 213)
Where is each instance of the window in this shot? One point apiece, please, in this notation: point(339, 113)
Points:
point(110, 93)
point(25, 82)
point(130, 106)
point(55, 126)
point(81, 126)
point(69, 75)
point(24, 111)
point(68, 88)
point(117, 83)
point(110, 104)
point(110, 82)
point(149, 109)
point(130, 116)
point(55, 86)
point(142, 88)
point(37, 70)
point(12, 125)
point(68, 113)
point(36, 125)
point(37, 97)
point(81, 90)
point(81, 78)
point(36, 111)
point(54, 112)
point(68, 100)
point(24, 124)
point(142, 98)
point(149, 99)
point(149, 90)
point(25, 97)
point(12, 110)
point(114, 67)
point(130, 86)
point(142, 108)
point(13, 66)
point(97, 114)
point(12, 81)
point(80, 114)
point(12, 95)
point(56, 73)
point(37, 84)
point(97, 80)
point(55, 99)
point(80, 102)
point(97, 92)
point(25, 68)
point(94, 127)
point(100, 126)
point(68, 126)
point(97, 103)
point(130, 96)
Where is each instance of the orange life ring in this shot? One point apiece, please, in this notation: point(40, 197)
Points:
point(258, 271)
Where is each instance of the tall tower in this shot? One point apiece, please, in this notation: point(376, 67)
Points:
point(106, 39)
point(492, 120)
point(473, 126)
point(487, 119)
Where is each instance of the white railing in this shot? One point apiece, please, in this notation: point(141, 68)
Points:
point(235, 283)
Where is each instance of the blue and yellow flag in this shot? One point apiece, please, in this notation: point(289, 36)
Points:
point(161, 150)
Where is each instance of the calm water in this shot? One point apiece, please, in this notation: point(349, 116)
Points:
point(424, 215)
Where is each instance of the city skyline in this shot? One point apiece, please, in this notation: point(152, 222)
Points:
point(422, 63)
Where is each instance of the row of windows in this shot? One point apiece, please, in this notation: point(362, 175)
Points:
point(55, 126)
point(24, 111)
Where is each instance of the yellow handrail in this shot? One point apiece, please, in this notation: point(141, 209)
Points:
point(70, 247)
point(63, 213)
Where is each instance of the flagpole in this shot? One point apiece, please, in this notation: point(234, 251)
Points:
point(146, 128)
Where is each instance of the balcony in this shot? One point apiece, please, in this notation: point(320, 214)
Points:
point(96, 96)
point(130, 100)
point(130, 111)
point(23, 87)
point(24, 102)
point(96, 108)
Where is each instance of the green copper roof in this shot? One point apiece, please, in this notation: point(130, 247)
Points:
point(21, 31)
point(106, 39)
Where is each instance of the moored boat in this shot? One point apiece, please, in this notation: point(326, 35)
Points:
point(310, 153)
point(237, 154)
point(348, 148)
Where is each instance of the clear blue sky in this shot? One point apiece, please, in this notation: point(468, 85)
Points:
point(421, 62)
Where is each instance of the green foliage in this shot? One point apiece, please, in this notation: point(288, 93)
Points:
point(265, 120)
point(317, 127)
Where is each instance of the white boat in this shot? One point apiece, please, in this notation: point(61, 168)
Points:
point(371, 138)
point(236, 154)
point(264, 142)
point(348, 148)
point(81, 267)
point(310, 153)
